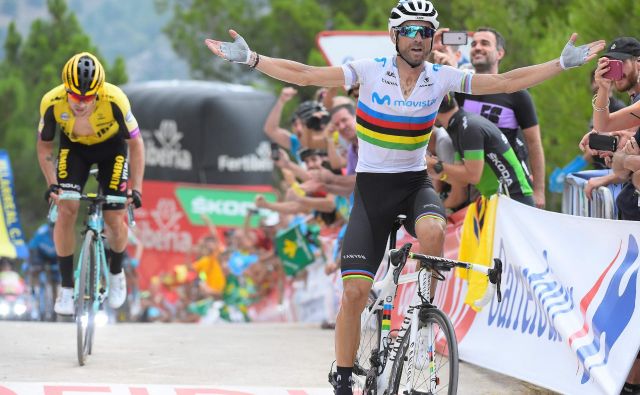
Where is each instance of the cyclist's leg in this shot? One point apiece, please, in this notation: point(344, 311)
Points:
point(72, 173)
point(363, 248)
point(113, 175)
point(427, 221)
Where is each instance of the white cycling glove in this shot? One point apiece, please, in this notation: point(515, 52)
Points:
point(238, 51)
point(573, 56)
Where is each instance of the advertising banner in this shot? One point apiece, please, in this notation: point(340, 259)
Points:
point(569, 318)
point(170, 222)
point(203, 132)
point(12, 244)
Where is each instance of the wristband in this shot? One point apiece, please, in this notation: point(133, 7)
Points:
point(596, 108)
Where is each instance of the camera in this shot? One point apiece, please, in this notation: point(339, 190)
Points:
point(275, 151)
point(454, 38)
point(317, 121)
point(603, 142)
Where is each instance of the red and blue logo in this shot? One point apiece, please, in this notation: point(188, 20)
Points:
point(606, 310)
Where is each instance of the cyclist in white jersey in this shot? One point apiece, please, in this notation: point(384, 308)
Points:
point(399, 98)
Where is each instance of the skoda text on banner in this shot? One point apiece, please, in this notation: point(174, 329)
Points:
point(568, 320)
point(12, 243)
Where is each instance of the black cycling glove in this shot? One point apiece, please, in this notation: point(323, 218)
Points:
point(136, 197)
point(53, 188)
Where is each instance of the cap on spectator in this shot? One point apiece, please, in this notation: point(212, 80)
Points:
point(623, 48)
point(305, 153)
point(306, 109)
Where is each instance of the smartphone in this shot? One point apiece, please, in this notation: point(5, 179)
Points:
point(615, 70)
point(454, 38)
point(275, 151)
point(603, 142)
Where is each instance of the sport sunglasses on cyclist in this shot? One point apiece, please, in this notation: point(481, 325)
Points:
point(80, 98)
point(411, 31)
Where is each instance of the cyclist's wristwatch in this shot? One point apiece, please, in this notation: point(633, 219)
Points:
point(438, 167)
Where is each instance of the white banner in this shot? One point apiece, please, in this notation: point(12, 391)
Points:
point(568, 320)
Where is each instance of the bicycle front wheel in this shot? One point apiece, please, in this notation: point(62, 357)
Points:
point(85, 311)
point(368, 356)
point(430, 365)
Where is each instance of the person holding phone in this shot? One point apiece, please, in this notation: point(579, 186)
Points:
point(626, 161)
point(618, 68)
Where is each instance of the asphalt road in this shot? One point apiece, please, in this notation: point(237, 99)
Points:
point(234, 355)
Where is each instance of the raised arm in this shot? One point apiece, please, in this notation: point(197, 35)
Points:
point(526, 77)
point(272, 124)
point(603, 121)
point(282, 69)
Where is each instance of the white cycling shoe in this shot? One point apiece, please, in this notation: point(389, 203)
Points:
point(117, 289)
point(64, 302)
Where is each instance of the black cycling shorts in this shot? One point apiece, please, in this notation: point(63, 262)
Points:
point(75, 160)
point(378, 199)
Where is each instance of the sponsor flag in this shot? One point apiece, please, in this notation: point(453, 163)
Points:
point(12, 244)
point(476, 245)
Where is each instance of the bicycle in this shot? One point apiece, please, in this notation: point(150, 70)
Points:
point(91, 285)
point(423, 357)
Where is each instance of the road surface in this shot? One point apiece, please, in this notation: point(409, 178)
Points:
point(268, 358)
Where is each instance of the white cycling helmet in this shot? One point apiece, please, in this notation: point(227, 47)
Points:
point(413, 10)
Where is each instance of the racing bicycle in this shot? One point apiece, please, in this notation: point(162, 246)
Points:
point(421, 357)
point(91, 285)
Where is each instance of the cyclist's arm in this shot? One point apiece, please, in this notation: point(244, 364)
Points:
point(526, 77)
point(47, 160)
point(136, 162)
point(301, 74)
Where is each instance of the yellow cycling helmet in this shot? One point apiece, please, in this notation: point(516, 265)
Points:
point(83, 74)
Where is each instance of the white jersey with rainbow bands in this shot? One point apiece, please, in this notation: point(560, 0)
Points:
point(393, 133)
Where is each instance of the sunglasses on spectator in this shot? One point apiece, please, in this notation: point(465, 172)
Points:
point(411, 31)
point(80, 98)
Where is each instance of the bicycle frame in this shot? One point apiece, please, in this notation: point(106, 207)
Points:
point(386, 291)
point(95, 224)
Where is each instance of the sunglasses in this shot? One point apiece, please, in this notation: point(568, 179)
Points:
point(411, 31)
point(80, 98)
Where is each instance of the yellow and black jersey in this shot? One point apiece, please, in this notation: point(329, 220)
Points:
point(111, 118)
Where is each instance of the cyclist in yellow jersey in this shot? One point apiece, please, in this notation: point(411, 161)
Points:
point(96, 127)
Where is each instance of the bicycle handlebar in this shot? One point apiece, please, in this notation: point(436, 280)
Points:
point(399, 256)
point(91, 197)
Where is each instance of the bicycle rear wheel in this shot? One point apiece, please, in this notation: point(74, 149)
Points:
point(85, 310)
point(433, 364)
point(368, 357)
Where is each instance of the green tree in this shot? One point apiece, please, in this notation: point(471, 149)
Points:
point(30, 68)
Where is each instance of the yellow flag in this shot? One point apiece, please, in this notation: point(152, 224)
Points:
point(476, 245)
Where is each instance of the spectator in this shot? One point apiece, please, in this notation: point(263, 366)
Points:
point(615, 104)
point(626, 49)
point(479, 142)
point(514, 113)
point(454, 196)
point(626, 164)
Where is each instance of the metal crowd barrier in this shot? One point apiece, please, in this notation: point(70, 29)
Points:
point(603, 202)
